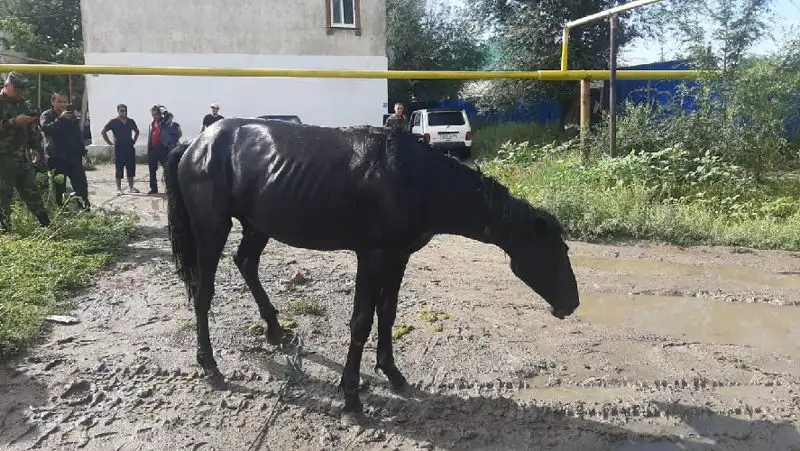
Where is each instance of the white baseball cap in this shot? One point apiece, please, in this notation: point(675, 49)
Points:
point(214, 105)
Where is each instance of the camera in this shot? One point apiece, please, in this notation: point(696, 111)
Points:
point(69, 109)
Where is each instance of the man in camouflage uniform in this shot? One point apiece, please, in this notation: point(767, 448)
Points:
point(18, 138)
point(397, 122)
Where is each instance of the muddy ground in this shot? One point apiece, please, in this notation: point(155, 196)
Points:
point(671, 349)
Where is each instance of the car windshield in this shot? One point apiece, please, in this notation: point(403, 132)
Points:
point(446, 118)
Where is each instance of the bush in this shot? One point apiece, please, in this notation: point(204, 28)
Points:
point(706, 174)
point(609, 200)
point(740, 116)
point(487, 139)
point(40, 266)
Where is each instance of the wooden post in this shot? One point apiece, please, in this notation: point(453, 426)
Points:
point(39, 94)
point(586, 98)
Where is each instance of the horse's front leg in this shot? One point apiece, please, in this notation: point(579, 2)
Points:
point(366, 295)
point(394, 266)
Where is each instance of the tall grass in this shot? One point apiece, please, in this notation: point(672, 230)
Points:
point(40, 266)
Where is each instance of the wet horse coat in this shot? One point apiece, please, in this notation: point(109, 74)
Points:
point(365, 189)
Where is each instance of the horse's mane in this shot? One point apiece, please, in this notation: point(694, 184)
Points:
point(498, 197)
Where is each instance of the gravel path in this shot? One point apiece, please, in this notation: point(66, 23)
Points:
point(671, 349)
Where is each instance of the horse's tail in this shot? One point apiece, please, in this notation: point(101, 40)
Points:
point(184, 246)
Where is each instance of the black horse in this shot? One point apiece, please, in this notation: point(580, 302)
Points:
point(364, 189)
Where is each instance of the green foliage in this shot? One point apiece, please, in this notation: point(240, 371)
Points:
point(48, 30)
point(740, 117)
point(713, 33)
point(489, 139)
point(529, 35)
point(437, 39)
point(40, 266)
point(717, 175)
point(630, 198)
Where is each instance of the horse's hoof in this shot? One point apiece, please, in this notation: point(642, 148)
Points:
point(275, 335)
point(353, 412)
point(402, 389)
point(397, 381)
point(217, 380)
point(350, 419)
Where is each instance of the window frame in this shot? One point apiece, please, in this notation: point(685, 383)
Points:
point(331, 25)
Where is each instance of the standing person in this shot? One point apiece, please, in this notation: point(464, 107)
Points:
point(126, 133)
point(65, 149)
point(16, 139)
point(397, 121)
point(156, 153)
point(163, 135)
point(209, 119)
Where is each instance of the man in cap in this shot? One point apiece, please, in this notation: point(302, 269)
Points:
point(18, 137)
point(209, 119)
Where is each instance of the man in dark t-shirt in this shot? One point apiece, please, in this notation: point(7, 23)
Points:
point(209, 119)
point(125, 132)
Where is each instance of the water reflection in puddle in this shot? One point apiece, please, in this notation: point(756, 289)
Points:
point(656, 268)
point(766, 327)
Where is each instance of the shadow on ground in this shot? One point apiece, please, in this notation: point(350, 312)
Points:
point(27, 393)
point(495, 423)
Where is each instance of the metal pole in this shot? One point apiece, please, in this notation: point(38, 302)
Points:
point(39, 94)
point(612, 89)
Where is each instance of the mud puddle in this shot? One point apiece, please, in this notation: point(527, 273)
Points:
point(765, 327)
point(742, 274)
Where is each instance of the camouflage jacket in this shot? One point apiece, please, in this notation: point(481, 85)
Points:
point(397, 124)
point(16, 142)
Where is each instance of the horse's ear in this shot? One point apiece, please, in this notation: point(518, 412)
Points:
point(539, 227)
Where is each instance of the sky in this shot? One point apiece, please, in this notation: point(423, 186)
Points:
point(786, 15)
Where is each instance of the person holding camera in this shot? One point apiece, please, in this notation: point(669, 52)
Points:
point(65, 149)
point(18, 137)
point(163, 135)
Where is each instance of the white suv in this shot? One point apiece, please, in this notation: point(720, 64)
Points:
point(444, 129)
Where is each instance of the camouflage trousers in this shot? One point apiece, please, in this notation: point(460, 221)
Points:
point(19, 175)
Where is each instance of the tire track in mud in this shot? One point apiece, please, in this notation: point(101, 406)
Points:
point(496, 373)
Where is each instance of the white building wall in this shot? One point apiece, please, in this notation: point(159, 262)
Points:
point(236, 34)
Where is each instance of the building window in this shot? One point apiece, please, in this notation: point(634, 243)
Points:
point(343, 14)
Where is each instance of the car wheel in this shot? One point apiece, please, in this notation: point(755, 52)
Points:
point(465, 153)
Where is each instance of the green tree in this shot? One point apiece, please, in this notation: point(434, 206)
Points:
point(48, 30)
point(713, 33)
point(529, 36)
point(441, 38)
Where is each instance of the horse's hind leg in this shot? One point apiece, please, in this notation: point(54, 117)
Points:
point(247, 259)
point(211, 242)
point(394, 266)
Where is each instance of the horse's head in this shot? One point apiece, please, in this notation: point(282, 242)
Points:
point(539, 258)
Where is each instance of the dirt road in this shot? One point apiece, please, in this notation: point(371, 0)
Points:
point(671, 349)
